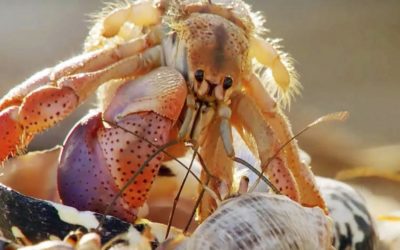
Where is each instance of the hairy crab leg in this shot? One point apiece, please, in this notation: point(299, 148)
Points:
point(247, 119)
point(277, 122)
point(266, 54)
point(87, 62)
point(15, 96)
point(101, 58)
point(10, 132)
point(285, 84)
point(106, 157)
point(52, 102)
point(142, 13)
point(84, 84)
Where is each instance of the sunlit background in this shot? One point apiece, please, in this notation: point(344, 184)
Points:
point(347, 55)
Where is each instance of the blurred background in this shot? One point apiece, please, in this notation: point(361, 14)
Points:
point(347, 54)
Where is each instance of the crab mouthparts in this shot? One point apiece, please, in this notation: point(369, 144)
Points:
point(211, 88)
point(209, 91)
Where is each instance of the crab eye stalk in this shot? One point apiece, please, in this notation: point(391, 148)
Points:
point(227, 82)
point(199, 75)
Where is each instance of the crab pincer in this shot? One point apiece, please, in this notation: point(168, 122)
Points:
point(99, 157)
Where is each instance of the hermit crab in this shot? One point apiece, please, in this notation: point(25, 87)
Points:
point(169, 74)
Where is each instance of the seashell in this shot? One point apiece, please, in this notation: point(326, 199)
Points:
point(49, 245)
point(262, 221)
point(90, 241)
point(27, 220)
point(151, 237)
point(354, 227)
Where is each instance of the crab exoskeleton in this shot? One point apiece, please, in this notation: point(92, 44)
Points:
point(167, 73)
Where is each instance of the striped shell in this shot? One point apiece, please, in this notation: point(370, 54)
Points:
point(262, 221)
point(354, 226)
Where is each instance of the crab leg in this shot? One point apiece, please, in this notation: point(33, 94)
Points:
point(10, 132)
point(267, 55)
point(219, 165)
point(277, 122)
point(87, 62)
point(99, 59)
point(100, 157)
point(142, 13)
point(248, 119)
point(37, 110)
point(15, 96)
point(284, 75)
point(84, 84)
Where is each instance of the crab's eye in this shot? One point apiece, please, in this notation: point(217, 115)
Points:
point(227, 82)
point(199, 75)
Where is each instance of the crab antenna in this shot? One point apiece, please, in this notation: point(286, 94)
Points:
point(171, 216)
point(260, 174)
point(203, 190)
point(209, 176)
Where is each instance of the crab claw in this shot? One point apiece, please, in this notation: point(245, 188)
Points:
point(84, 181)
point(97, 161)
point(39, 110)
point(115, 153)
point(10, 132)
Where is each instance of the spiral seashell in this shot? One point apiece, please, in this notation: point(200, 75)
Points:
point(262, 221)
point(354, 225)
